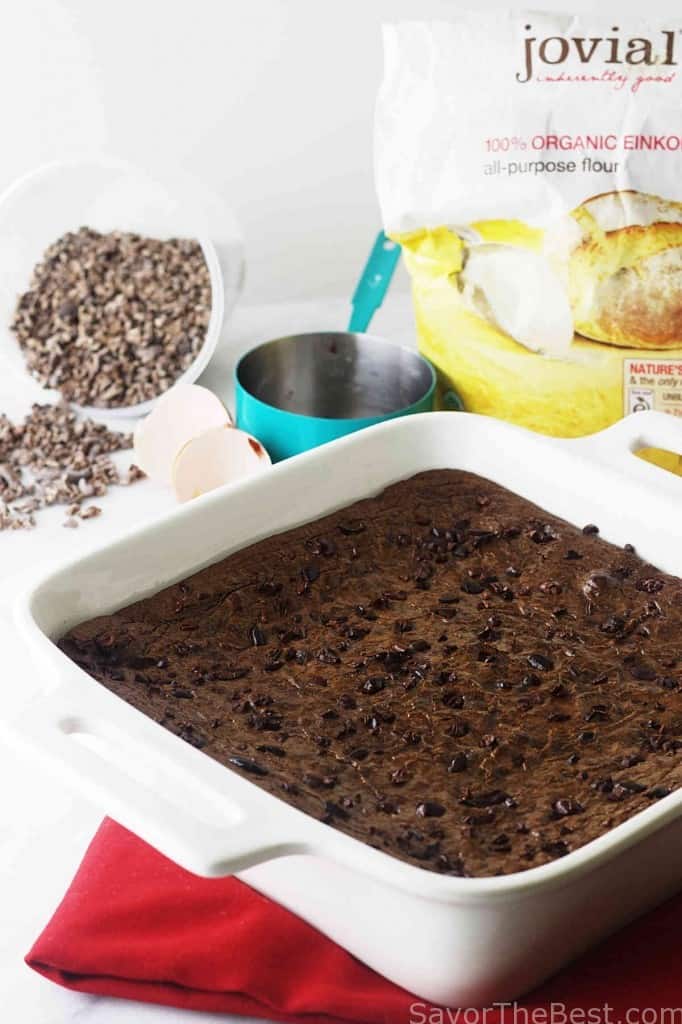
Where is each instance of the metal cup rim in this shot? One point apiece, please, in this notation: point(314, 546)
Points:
point(373, 339)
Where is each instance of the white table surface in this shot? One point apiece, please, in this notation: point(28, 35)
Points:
point(45, 828)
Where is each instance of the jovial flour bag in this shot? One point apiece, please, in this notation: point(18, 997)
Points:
point(531, 167)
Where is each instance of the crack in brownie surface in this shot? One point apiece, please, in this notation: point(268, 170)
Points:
point(446, 672)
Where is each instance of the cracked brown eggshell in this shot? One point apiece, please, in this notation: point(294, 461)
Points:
point(181, 414)
point(217, 457)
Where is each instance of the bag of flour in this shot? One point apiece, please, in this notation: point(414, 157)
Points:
point(531, 167)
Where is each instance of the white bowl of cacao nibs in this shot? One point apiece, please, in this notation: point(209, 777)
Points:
point(111, 288)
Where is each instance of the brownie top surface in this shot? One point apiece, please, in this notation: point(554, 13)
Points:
point(445, 672)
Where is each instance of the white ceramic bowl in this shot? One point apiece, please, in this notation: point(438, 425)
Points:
point(107, 194)
point(453, 941)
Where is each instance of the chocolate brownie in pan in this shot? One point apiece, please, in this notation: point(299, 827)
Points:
point(445, 672)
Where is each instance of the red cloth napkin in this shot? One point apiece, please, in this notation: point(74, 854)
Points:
point(135, 925)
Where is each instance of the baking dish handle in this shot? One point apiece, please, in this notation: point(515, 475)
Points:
point(618, 443)
point(200, 828)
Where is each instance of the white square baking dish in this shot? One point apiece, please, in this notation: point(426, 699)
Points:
point(453, 941)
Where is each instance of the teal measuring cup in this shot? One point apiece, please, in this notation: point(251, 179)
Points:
point(297, 392)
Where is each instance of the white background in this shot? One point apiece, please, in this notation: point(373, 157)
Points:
point(269, 102)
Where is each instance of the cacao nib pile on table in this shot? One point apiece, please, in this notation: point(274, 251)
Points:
point(445, 672)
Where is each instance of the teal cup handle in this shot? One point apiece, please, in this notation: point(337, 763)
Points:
point(301, 391)
point(374, 282)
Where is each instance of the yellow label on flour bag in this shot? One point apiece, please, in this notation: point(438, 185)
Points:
point(531, 167)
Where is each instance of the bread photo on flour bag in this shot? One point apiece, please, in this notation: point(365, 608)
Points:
point(622, 260)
